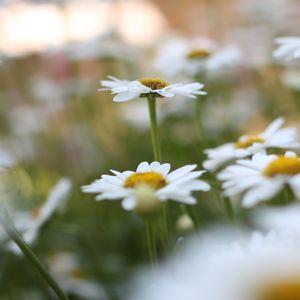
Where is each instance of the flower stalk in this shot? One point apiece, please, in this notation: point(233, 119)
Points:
point(229, 210)
point(29, 254)
point(154, 128)
point(151, 242)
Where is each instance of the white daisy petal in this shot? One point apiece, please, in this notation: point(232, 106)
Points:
point(129, 203)
point(125, 96)
point(151, 182)
point(143, 167)
point(154, 165)
point(288, 48)
point(164, 169)
point(261, 178)
point(273, 127)
point(112, 195)
point(125, 90)
point(273, 137)
point(180, 172)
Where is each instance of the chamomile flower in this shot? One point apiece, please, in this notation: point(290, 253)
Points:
point(262, 177)
point(192, 57)
point(273, 137)
point(125, 90)
point(149, 185)
point(6, 160)
point(29, 223)
point(73, 280)
point(289, 48)
point(281, 218)
point(262, 267)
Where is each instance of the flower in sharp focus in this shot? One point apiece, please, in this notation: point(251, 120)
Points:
point(262, 177)
point(289, 48)
point(152, 182)
point(125, 90)
point(273, 137)
point(261, 267)
point(29, 223)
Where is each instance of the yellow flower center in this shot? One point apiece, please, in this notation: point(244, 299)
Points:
point(154, 83)
point(36, 212)
point(153, 179)
point(77, 274)
point(249, 141)
point(282, 166)
point(198, 53)
point(281, 291)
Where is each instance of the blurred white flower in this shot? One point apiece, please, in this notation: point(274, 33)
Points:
point(108, 45)
point(285, 218)
point(288, 49)
point(65, 268)
point(128, 90)
point(149, 179)
point(273, 137)
point(262, 177)
point(291, 78)
point(283, 12)
point(29, 223)
point(6, 159)
point(192, 57)
point(261, 267)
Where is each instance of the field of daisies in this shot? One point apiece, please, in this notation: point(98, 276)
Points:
point(159, 170)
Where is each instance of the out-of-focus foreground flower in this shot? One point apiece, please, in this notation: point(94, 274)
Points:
point(258, 267)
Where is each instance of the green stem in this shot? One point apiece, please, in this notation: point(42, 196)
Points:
point(230, 211)
point(28, 253)
point(154, 128)
point(198, 117)
point(151, 242)
point(166, 226)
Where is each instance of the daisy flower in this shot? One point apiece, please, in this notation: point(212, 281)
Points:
point(273, 137)
point(29, 223)
point(262, 267)
point(150, 183)
point(289, 48)
point(192, 57)
point(6, 160)
point(74, 281)
point(281, 218)
point(125, 90)
point(262, 177)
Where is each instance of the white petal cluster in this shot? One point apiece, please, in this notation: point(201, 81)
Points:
point(220, 268)
point(173, 61)
point(65, 268)
point(180, 183)
point(29, 223)
point(247, 178)
point(125, 90)
point(273, 137)
point(286, 219)
point(288, 49)
point(6, 160)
